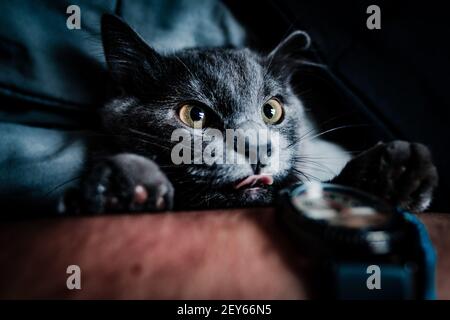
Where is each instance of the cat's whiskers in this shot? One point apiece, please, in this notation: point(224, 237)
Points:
point(316, 166)
point(307, 138)
point(333, 129)
point(159, 140)
point(53, 189)
point(185, 66)
point(306, 175)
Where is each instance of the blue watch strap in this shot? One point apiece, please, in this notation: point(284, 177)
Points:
point(428, 254)
point(357, 281)
point(396, 281)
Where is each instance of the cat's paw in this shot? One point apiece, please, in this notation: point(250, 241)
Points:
point(121, 183)
point(400, 172)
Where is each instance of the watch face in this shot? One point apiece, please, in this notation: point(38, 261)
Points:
point(341, 207)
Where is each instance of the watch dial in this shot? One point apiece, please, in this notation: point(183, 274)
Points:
point(340, 208)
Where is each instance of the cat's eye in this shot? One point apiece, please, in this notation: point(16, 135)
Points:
point(192, 115)
point(272, 111)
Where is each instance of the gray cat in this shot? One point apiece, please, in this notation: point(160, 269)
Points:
point(225, 88)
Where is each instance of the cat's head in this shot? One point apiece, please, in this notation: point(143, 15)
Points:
point(201, 89)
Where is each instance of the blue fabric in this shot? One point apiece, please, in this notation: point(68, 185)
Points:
point(37, 165)
point(42, 60)
point(52, 81)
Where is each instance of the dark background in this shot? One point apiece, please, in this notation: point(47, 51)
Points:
point(396, 80)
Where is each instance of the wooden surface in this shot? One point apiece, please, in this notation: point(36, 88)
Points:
point(239, 254)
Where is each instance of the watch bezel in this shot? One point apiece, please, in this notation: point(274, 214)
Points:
point(342, 239)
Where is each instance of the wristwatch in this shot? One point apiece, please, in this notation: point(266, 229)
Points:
point(360, 246)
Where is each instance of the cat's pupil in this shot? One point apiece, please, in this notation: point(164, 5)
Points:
point(197, 114)
point(269, 111)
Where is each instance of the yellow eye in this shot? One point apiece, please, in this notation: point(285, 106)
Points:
point(192, 115)
point(272, 111)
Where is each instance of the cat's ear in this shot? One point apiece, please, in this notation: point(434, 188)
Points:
point(293, 47)
point(126, 53)
point(292, 54)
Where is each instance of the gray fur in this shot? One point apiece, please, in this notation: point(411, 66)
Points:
point(233, 84)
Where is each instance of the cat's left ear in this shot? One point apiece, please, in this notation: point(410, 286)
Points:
point(126, 53)
point(293, 54)
point(293, 47)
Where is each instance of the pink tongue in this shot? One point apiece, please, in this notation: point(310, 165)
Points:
point(249, 181)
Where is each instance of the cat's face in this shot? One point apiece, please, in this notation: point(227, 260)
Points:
point(217, 89)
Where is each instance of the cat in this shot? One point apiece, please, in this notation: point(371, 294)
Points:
point(225, 88)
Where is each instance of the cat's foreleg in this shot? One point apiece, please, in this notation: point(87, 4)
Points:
point(399, 171)
point(121, 183)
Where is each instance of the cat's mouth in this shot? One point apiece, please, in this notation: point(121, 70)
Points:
point(254, 182)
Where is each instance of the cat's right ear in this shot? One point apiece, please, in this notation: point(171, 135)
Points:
point(126, 53)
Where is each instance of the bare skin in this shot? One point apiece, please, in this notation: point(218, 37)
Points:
point(237, 254)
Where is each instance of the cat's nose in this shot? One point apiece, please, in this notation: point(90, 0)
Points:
point(261, 158)
point(262, 151)
point(257, 167)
